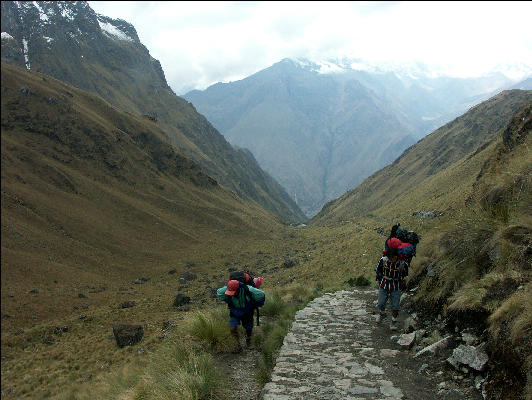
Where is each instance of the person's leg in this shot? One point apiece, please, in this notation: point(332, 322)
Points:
point(381, 303)
point(395, 298)
point(247, 323)
point(233, 327)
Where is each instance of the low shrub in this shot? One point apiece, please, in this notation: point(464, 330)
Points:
point(360, 280)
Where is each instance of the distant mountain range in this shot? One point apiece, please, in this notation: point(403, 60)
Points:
point(321, 128)
point(70, 42)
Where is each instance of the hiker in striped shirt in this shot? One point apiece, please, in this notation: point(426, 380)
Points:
point(391, 272)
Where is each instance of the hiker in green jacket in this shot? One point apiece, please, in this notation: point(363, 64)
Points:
point(242, 300)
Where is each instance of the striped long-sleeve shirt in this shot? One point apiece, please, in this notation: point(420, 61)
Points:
point(391, 275)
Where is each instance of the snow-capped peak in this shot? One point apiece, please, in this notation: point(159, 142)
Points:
point(112, 30)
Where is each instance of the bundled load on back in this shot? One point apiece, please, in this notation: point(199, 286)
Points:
point(245, 279)
point(404, 241)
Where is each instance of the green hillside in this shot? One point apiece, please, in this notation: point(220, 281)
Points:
point(120, 69)
point(467, 190)
point(414, 175)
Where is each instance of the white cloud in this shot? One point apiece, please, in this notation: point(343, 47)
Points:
point(200, 43)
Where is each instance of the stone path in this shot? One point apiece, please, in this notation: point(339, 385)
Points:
point(336, 350)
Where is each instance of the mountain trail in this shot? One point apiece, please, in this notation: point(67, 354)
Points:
point(336, 350)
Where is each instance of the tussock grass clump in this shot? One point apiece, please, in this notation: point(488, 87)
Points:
point(517, 312)
point(274, 305)
point(181, 370)
point(300, 294)
point(209, 327)
point(360, 280)
point(270, 341)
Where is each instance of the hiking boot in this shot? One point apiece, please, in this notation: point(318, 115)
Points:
point(393, 324)
point(238, 349)
point(381, 317)
point(248, 343)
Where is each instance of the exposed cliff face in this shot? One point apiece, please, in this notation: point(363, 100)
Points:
point(72, 43)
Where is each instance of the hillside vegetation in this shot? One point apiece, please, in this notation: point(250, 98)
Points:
point(467, 190)
point(97, 209)
point(412, 179)
point(121, 70)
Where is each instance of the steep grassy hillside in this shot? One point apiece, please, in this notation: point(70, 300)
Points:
point(90, 190)
point(69, 41)
point(472, 207)
point(97, 209)
point(417, 167)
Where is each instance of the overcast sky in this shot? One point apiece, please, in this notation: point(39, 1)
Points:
point(201, 43)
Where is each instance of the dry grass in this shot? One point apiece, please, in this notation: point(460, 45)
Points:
point(64, 244)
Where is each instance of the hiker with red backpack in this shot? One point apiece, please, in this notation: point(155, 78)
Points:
point(392, 269)
point(242, 297)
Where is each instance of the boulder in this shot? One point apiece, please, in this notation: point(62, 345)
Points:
point(410, 324)
point(407, 340)
point(127, 335)
point(473, 357)
point(59, 330)
point(187, 276)
point(128, 304)
point(470, 339)
point(181, 300)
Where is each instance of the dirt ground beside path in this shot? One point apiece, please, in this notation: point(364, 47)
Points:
point(240, 371)
point(419, 378)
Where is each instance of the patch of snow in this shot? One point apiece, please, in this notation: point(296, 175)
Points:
point(327, 67)
point(114, 31)
point(66, 12)
point(23, 4)
point(359, 66)
point(48, 39)
point(7, 36)
point(303, 63)
point(42, 15)
point(26, 58)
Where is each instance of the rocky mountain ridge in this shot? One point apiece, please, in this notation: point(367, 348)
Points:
point(69, 41)
point(321, 128)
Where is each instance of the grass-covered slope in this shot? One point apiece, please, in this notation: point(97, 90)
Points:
point(94, 192)
point(474, 258)
point(73, 44)
point(411, 180)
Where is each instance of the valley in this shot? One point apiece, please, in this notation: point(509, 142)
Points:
point(123, 205)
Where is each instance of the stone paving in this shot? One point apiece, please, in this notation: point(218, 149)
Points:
point(329, 353)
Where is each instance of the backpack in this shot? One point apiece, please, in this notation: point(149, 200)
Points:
point(242, 276)
point(246, 278)
point(403, 240)
point(406, 236)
